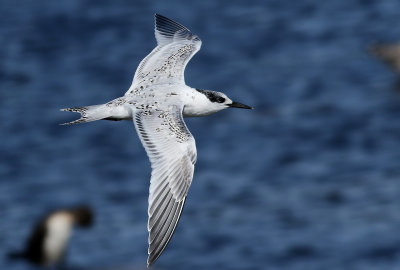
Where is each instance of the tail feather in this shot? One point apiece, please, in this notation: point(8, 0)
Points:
point(88, 114)
point(81, 110)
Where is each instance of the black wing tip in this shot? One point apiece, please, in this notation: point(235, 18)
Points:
point(162, 22)
point(158, 17)
point(170, 29)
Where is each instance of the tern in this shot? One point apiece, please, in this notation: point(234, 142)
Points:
point(157, 101)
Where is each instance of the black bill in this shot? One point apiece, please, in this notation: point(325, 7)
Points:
point(239, 105)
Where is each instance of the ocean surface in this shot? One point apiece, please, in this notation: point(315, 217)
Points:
point(309, 179)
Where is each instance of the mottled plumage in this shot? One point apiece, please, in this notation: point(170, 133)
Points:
point(157, 101)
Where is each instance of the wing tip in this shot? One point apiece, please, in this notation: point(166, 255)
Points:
point(162, 22)
point(167, 29)
point(158, 15)
point(155, 254)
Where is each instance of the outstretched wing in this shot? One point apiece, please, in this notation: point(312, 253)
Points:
point(176, 45)
point(172, 152)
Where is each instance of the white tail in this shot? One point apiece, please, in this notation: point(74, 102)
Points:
point(88, 114)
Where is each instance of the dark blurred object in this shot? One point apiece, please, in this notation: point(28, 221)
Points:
point(48, 241)
point(388, 53)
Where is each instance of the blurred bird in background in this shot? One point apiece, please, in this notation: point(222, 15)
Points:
point(388, 53)
point(309, 180)
point(47, 243)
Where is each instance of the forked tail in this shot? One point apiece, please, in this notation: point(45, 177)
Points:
point(88, 114)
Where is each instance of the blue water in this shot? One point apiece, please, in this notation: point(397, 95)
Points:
point(310, 179)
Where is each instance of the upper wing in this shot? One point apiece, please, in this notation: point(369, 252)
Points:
point(172, 152)
point(176, 45)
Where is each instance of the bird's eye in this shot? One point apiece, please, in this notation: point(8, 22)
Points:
point(220, 100)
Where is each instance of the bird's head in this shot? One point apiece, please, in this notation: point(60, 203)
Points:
point(83, 216)
point(219, 101)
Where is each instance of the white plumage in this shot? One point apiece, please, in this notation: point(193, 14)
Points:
point(157, 101)
point(59, 229)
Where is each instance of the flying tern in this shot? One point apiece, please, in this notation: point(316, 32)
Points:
point(157, 101)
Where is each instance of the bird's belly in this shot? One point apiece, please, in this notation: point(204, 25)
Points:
point(120, 113)
point(58, 233)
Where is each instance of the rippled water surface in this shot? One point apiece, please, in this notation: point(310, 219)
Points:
point(308, 180)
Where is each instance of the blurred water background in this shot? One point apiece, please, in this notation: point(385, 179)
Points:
point(308, 180)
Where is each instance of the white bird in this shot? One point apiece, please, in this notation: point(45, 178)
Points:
point(157, 101)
